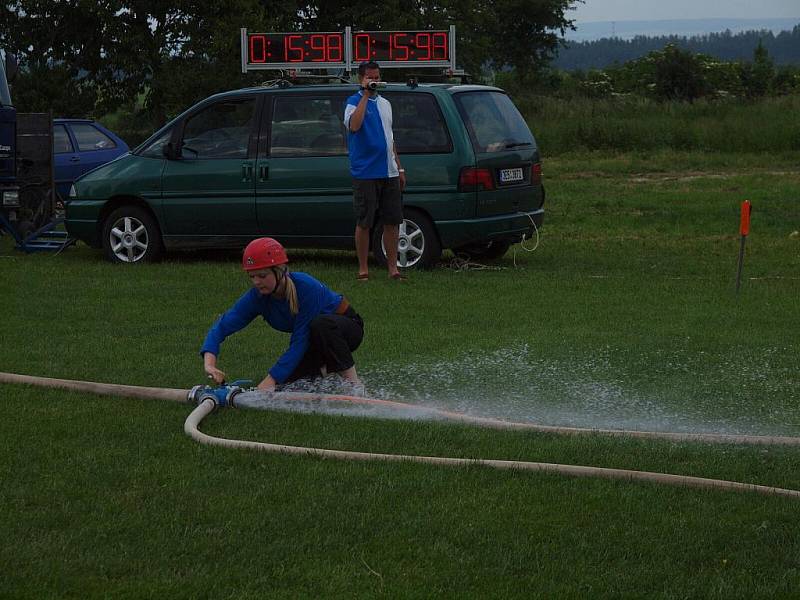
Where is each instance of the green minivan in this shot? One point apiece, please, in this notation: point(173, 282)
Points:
point(272, 161)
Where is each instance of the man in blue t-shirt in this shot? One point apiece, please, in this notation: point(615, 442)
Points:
point(378, 177)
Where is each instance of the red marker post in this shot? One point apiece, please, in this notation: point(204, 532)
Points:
point(744, 230)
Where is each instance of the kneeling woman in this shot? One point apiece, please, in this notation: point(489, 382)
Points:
point(325, 329)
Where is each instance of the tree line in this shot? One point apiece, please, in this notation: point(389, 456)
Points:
point(670, 74)
point(91, 57)
point(148, 60)
point(784, 48)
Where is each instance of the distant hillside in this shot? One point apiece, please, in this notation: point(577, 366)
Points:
point(626, 30)
point(783, 48)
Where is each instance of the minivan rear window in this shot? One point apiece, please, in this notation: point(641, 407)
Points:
point(493, 122)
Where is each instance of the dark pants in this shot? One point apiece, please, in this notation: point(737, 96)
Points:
point(332, 340)
point(373, 198)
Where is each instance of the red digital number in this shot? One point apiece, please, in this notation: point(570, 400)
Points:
point(423, 43)
point(362, 43)
point(318, 45)
point(334, 50)
point(439, 46)
point(398, 46)
point(258, 48)
point(297, 51)
point(398, 50)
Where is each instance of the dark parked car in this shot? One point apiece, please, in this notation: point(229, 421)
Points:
point(80, 145)
point(273, 161)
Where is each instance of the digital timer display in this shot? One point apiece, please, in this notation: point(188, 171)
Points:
point(401, 46)
point(347, 49)
point(270, 48)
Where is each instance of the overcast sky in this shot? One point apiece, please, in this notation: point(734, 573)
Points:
point(652, 10)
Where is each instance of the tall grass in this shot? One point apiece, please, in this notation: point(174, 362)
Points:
point(623, 124)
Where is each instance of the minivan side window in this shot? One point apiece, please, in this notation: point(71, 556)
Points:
point(417, 124)
point(307, 126)
point(221, 130)
point(493, 122)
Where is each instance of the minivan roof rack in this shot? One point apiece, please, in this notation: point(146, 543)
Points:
point(290, 77)
point(413, 79)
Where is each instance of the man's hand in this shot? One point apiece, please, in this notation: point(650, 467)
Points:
point(402, 180)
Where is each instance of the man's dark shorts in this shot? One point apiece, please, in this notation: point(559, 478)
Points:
point(377, 198)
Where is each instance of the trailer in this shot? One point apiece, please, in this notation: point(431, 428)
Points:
point(27, 184)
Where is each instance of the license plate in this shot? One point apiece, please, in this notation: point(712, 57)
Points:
point(510, 175)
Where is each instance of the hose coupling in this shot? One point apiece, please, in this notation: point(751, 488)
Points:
point(222, 395)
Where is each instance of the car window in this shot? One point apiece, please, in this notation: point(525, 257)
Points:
point(307, 126)
point(155, 149)
point(221, 130)
point(493, 122)
point(61, 142)
point(417, 124)
point(91, 138)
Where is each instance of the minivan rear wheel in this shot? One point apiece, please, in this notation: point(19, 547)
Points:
point(418, 245)
point(131, 235)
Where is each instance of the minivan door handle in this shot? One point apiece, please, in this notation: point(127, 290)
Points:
point(263, 173)
point(247, 172)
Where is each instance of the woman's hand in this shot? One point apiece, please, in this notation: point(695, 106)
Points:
point(268, 385)
point(210, 367)
point(215, 374)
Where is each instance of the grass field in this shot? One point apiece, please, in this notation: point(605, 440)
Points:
point(634, 124)
point(625, 315)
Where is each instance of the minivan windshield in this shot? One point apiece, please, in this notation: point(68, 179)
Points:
point(493, 122)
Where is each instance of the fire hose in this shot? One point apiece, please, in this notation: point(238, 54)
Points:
point(206, 399)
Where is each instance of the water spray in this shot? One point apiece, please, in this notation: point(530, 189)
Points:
point(207, 399)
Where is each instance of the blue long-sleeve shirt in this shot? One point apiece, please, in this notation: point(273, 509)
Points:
point(313, 299)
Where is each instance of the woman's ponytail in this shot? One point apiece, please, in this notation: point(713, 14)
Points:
point(291, 294)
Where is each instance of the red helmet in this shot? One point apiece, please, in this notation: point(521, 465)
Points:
point(263, 253)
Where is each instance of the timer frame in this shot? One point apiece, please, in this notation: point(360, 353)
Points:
point(349, 63)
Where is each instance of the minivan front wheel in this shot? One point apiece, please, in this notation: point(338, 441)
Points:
point(418, 245)
point(131, 235)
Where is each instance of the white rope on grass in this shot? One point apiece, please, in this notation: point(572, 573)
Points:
point(464, 263)
point(522, 242)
